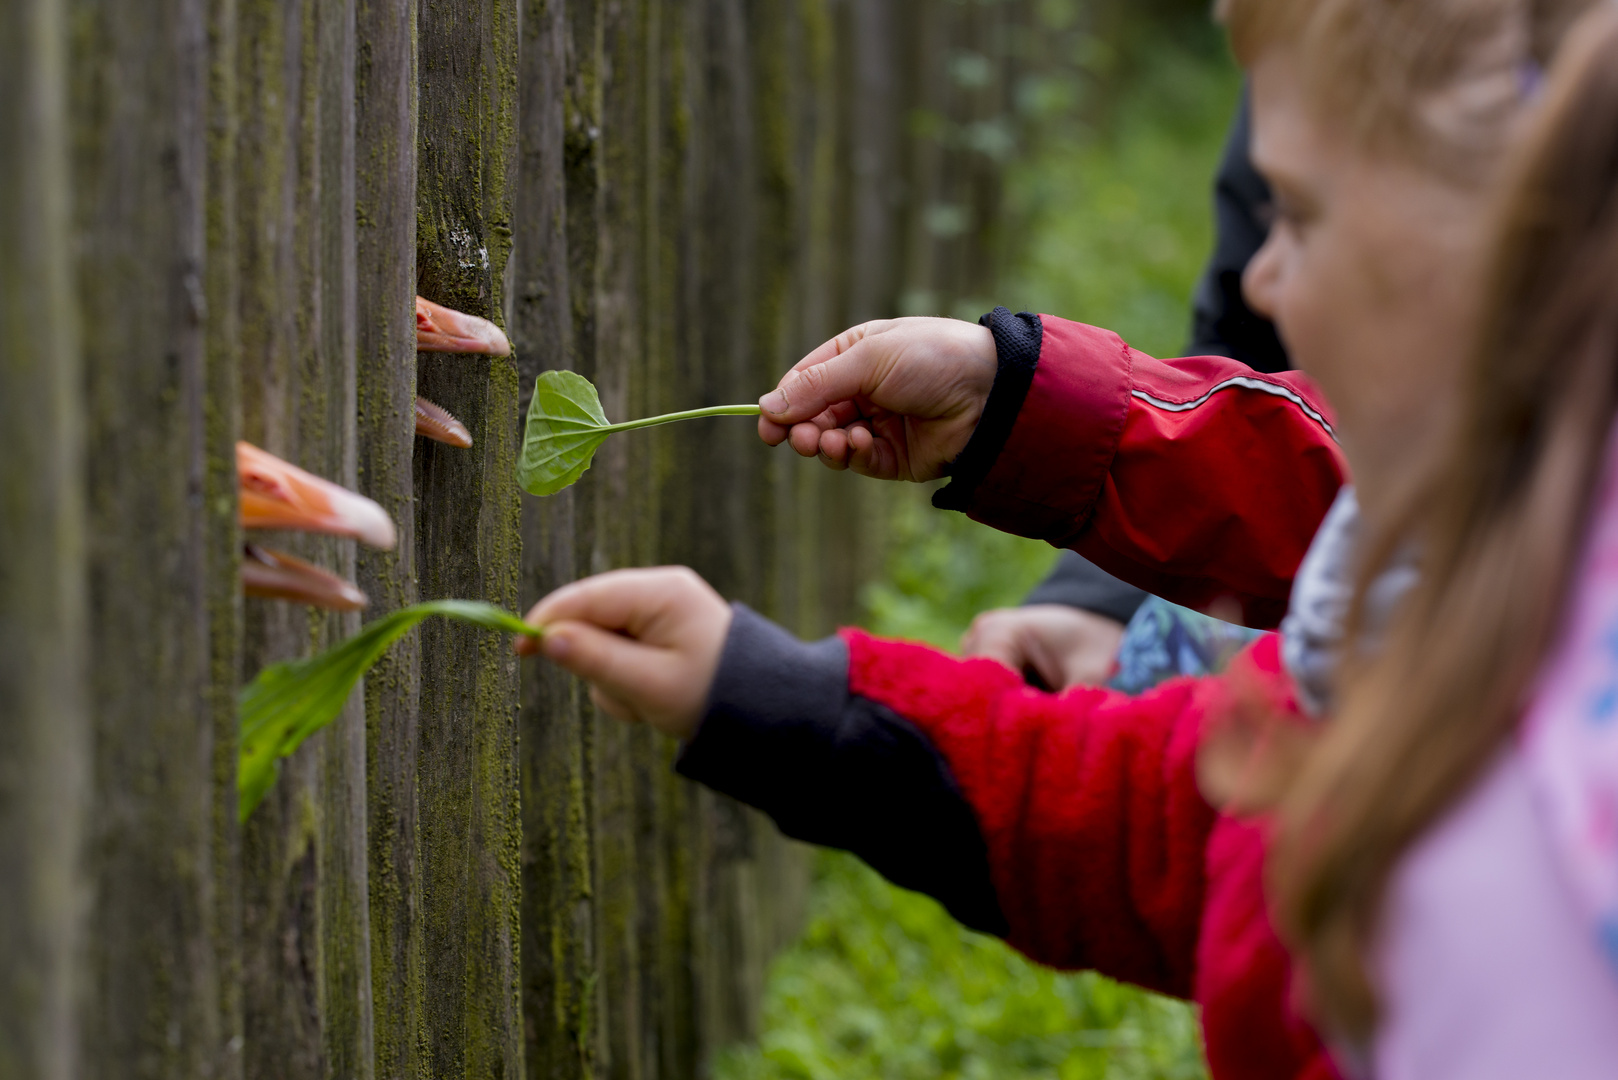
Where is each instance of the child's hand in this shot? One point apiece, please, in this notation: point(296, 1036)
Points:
point(1064, 645)
point(647, 642)
point(896, 399)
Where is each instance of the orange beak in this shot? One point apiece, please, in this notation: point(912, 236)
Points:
point(277, 576)
point(439, 329)
point(276, 495)
point(435, 422)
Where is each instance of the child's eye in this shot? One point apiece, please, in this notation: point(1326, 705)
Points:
point(1265, 214)
point(1284, 213)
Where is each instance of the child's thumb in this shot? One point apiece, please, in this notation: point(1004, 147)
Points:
point(597, 656)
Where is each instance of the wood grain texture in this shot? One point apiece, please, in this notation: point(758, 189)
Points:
point(159, 959)
point(305, 919)
point(558, 901)
point(468, 546)
point(385, 241)
point(674, 209)
point(45, 734)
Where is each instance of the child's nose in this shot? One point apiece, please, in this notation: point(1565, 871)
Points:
point(1261, 279)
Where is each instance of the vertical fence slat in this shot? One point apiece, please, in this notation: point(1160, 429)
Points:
point(44, 715)
point(468, 532)
point(345, 982)
point(385, 242)
point(558, 972)
point(305, 919)
point(222, 420)
point(159, 960)
point(628, 874)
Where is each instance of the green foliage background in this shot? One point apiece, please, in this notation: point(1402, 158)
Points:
point(1111, 196)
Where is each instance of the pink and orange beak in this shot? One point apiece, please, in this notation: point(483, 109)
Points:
point(439, 329)
point(276, 495)
point(276, 575)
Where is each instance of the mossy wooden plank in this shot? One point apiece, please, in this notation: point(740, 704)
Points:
point(158, 957)
point(45, 743)
point(617, 495)
point(344, 975)
point(469, 546)
point(558, 944)
point(385, 241)
point(305, 914)
point(222, 424)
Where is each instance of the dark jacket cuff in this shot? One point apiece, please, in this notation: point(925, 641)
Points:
point(1017, 341)
point(1051, 468)
point(772, 695)
point(783, 734)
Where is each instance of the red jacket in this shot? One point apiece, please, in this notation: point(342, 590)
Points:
point(1070, 824)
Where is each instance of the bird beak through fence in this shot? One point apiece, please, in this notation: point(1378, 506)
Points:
point(439, 329)
point(442, 329)
point(277, 495)
point(275, 575)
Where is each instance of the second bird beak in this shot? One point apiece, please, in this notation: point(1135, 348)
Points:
point(276, 575)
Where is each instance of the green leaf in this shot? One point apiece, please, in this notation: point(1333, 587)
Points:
point(566, 424)
point(288, 702)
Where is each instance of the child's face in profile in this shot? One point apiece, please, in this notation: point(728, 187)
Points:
point(1370, 275)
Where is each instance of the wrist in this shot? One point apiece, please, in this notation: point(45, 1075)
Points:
point(1014, 343)
point(983, 363)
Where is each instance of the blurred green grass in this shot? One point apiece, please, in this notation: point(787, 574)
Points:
point(883, 984)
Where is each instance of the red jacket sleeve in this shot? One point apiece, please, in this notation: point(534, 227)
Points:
point(1102, 852)
point(1197, 479)
point(1087, 803)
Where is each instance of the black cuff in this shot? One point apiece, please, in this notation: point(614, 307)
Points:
point(1017, 340)
point(783, 734)
point(770, 688)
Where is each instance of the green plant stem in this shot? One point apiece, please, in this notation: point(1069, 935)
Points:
point(689, 414)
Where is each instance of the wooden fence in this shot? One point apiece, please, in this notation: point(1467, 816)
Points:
point(214, 215)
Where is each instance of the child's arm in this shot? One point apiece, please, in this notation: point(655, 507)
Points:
point(1071, 825)
point(1197, 479)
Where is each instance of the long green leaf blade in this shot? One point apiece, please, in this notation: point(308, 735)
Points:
point(290, 701)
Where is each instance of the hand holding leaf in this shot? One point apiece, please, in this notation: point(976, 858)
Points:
point(566, 424)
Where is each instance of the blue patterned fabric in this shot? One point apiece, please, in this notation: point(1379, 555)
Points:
point(1164, 640)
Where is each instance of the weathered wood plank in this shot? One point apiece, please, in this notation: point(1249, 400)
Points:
point(618, 496)
point(385, 197)
point(558, 944)
point(469, 545)
point(45, 744)
point(305, 919)
point(222, 421)
point(159, 958)
point(703, 190)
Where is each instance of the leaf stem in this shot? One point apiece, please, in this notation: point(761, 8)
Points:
point(689, 414)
